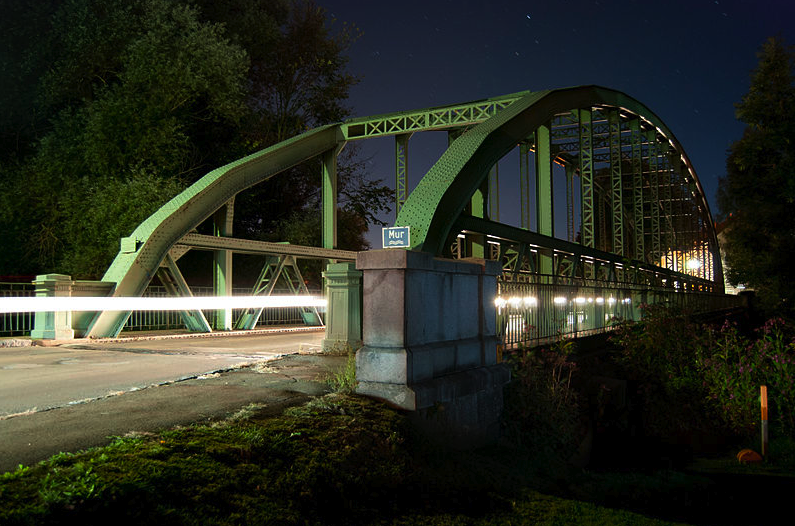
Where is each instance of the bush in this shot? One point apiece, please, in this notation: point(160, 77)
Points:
point(709, 375)
point(541, 408)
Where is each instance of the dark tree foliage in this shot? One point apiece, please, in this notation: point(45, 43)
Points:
point(108, 108)
point(757, 196)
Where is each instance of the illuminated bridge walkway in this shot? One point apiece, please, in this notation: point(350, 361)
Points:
point(583, 195)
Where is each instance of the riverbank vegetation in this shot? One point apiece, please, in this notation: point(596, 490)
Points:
point(570, 452)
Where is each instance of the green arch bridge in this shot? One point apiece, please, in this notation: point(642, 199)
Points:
point(637, 224)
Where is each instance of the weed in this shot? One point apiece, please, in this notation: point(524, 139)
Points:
point(344, 380)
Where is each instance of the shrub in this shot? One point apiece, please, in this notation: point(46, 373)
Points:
point(709, 375)
point(541, 407)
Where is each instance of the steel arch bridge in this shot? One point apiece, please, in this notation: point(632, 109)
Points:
point(636, 215)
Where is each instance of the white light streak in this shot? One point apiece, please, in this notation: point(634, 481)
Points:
point(66, 303)
point(559, 300)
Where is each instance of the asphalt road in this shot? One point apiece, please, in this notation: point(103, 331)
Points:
point(75, 396)
point(38, 378)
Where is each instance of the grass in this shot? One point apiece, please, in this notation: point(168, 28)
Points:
point(339, 459)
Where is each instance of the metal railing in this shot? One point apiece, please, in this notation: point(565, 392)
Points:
point(537, 312)
point(162, 320)
point(16, 323)
point(21, 323)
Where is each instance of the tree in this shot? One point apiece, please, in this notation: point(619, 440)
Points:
point(125, 102)
point(758, 191)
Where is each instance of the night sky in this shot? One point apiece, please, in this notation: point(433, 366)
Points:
point(688, 61)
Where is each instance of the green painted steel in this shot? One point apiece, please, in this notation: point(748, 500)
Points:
point(329, 197)
point(401, 169)
point(175, 285)
point(524, 184)
point(141, 253)
point(545, 215)
point(222, 264)
point(637, 189)
point(580, 128)
point(586, 178)
point(494, 192)
point(617, 181)
point(437, 118)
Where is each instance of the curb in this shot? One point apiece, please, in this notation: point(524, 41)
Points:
point(16, 342)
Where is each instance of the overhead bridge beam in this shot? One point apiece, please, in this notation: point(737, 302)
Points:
point(249, 246)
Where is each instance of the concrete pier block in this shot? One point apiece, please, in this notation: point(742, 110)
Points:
point(430, 344)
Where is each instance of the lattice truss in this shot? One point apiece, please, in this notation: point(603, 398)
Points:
point(629, 195)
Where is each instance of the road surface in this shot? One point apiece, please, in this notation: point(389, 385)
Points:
point(34, 379)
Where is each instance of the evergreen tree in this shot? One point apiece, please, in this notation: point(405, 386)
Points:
point(758, 193)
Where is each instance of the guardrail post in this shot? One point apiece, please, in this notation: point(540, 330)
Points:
point(53, 325)
point(344, 311)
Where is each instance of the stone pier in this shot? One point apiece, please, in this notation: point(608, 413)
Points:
point(430, 344)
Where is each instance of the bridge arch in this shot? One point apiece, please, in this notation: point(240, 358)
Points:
point(657, 184)
point(435, 210)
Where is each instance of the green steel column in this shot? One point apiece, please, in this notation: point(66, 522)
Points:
point(570, 202)
point(544, 195)
point(344, 311)
point(654, 187)
point(401, 169)
point(494, 192)
point(478, 209)
point(586, 178)
point(665, 201)
point(329, 198)
point(524, 185)
point(614, 124)
point(677, 210)
point(222, 264)
point(637, 189)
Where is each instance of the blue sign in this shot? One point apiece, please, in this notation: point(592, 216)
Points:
point(396, 236)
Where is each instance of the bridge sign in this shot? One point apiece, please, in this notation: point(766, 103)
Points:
point(395, 237)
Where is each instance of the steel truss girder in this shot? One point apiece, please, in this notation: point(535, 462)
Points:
point(175, 285)
point(284, 269)
point(637, 189)
point(611, 265)
point(250, 246)
point(401, 169)
point(617, 181)
point(439, 118)
point(587, 179)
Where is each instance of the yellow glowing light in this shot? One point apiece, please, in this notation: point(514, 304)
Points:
point(693, 264)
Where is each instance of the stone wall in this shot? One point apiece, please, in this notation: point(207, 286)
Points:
point(430, 344)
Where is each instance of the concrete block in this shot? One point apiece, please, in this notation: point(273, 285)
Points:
point(383, 311)
point(387, 365)
point(444, 360)
point(398, 395)
point(468, 354)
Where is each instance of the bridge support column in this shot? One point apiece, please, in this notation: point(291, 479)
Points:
point(344, 311)
point(430, 344)
point(53, 325)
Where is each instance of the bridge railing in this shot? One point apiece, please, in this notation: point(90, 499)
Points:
point(16, 323)
point(21, 323)
point(163, 320)
point(537, 312)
